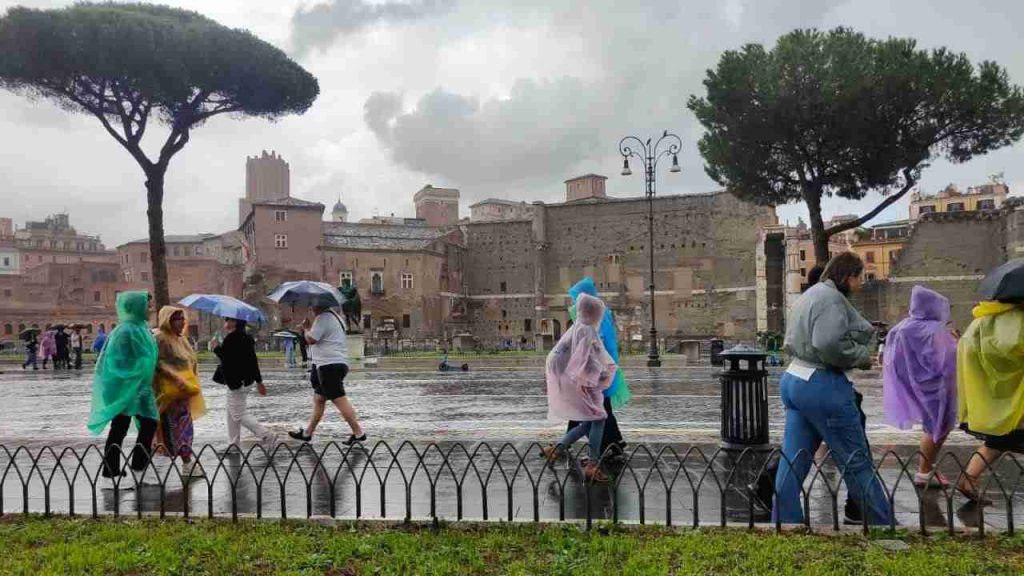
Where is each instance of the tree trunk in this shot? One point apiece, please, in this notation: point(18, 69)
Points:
point(157, 248)
point(818, 236)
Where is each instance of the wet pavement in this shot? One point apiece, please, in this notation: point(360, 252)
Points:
point(470, 455)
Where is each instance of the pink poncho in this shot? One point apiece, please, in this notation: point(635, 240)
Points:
point(48, 345)
point(579, 368)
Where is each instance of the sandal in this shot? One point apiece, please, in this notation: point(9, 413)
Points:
point(931, 480)
point(593, 473)
point(968, 486)
point(551, 453)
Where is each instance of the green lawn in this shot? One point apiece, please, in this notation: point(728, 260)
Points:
point(65, 546)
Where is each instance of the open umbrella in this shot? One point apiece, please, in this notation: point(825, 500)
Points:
point(28, 333)
point(307, 293)
point(1005, 282)
point(224, 306)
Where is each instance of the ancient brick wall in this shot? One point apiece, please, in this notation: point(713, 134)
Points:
point(704, 249)
point(948, 253)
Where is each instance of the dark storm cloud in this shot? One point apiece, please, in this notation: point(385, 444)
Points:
point(541, 128)
point(320, 26)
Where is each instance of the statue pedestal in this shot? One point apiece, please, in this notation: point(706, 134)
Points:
point(356, 346)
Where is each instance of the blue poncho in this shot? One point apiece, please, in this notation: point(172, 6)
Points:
point(618, 392)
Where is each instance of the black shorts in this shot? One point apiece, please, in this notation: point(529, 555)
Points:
point(329, 381)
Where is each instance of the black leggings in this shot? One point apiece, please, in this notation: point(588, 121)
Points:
point(115, 442)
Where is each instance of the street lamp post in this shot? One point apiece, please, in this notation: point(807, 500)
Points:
point(650, 155)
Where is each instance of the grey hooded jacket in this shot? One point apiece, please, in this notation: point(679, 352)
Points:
point(825, 331)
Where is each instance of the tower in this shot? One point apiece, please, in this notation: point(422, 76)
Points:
point(340, 212)
point(267, 177)
point(438, 206)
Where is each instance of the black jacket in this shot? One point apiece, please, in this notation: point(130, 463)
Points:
point(238, 363)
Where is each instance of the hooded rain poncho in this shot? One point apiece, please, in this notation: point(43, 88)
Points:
point(618, 392)
point(177, 365)
point(920, 367)
point(123, 380)
point(579, 368)
point(990, 369)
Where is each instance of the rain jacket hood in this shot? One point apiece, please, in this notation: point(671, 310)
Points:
point(579, 368)
point(928, 304)
point(123, 379)
point(618, 392)
point(920, 367)
point(177, 364)
point(990, 369)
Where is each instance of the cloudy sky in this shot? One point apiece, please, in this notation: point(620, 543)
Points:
point(499, 98)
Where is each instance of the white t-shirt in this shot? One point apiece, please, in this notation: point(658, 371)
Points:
point(331, 346)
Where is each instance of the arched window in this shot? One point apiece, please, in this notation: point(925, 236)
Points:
point(8, 329)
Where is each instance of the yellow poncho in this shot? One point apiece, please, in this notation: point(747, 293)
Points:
point(990, 369)
point(177, 364)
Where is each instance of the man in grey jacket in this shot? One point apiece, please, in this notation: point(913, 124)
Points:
point(826, 337)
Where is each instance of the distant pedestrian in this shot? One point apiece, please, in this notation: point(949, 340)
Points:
point(240, 369)
point(919, 373)
point(99, 341)
point(62, 341)
point(990, 382)
point(329, 349)
point(31, 347)
point(123, 386)
point(48, 347)
point(289, 352)
point(178, 393)
point(826, 336)
point(77, 346)
point(578, 370)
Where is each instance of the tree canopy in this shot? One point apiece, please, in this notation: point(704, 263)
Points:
point(836, 113)
point(130, 65)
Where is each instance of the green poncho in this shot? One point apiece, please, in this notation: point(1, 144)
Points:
point(123, 381)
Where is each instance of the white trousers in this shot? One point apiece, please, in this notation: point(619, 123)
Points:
point(238, 417)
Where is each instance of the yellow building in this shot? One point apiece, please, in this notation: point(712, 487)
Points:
point(880, 246)
point(951, 199)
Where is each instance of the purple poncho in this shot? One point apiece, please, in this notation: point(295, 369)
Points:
point(920, 367)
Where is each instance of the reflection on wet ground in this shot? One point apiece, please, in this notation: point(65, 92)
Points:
point(678, 404)
point(472, 454)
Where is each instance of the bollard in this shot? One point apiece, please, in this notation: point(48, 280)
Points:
point(744, 399)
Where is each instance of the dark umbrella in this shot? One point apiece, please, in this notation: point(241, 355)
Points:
point(1005, 282)
point(307, 293)
point(28, 333)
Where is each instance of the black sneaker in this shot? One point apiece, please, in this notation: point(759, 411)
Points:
point(852, 514)
point(300, 434)
point(353, 439)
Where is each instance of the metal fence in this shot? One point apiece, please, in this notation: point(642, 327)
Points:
point(671, 485)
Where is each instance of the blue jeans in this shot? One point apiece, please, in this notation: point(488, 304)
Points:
point(594, 431)
point(825, 408)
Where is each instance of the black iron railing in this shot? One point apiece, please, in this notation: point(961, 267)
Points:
point(674, 485)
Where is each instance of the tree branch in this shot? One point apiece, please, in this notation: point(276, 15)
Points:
point(909, 183)
point(132, 147)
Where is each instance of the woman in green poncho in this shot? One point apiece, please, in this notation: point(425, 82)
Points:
point(123, 385)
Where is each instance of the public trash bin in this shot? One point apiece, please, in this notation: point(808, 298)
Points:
point(744, 398)
point(716, 352)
